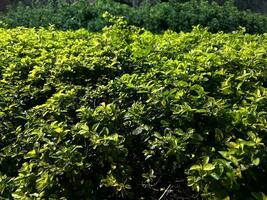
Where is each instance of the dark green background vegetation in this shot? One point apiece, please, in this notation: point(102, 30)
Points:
point(255, 5)
point(156, 17)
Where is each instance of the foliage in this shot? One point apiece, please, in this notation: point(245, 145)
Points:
point(128, 114)
point(174, 15)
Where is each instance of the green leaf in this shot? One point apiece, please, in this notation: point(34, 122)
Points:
point(196, 168)
point(215, 176)
point(43, 181)
point(206, 160)
point(30, 154)
point(256, 161)
point(259, 196)
point(208, 167)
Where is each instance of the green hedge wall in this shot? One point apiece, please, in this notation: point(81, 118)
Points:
point(128, 114)
point(157, 17)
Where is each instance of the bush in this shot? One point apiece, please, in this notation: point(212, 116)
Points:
point(60, 14)
point(127, 114)
point(177, 16)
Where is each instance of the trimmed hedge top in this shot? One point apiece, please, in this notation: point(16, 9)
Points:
point(127, 114)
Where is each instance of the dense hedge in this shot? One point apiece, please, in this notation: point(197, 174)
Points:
point(127, 114)
point(177, 16)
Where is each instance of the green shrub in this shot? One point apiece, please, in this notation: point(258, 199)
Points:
point(60, 14)
point(127, 114)
point(177, 16)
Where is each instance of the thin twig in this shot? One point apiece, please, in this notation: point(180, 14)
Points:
point(167, 189)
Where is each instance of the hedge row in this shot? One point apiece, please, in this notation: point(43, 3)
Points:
point(127, 114)
point(177, 16)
